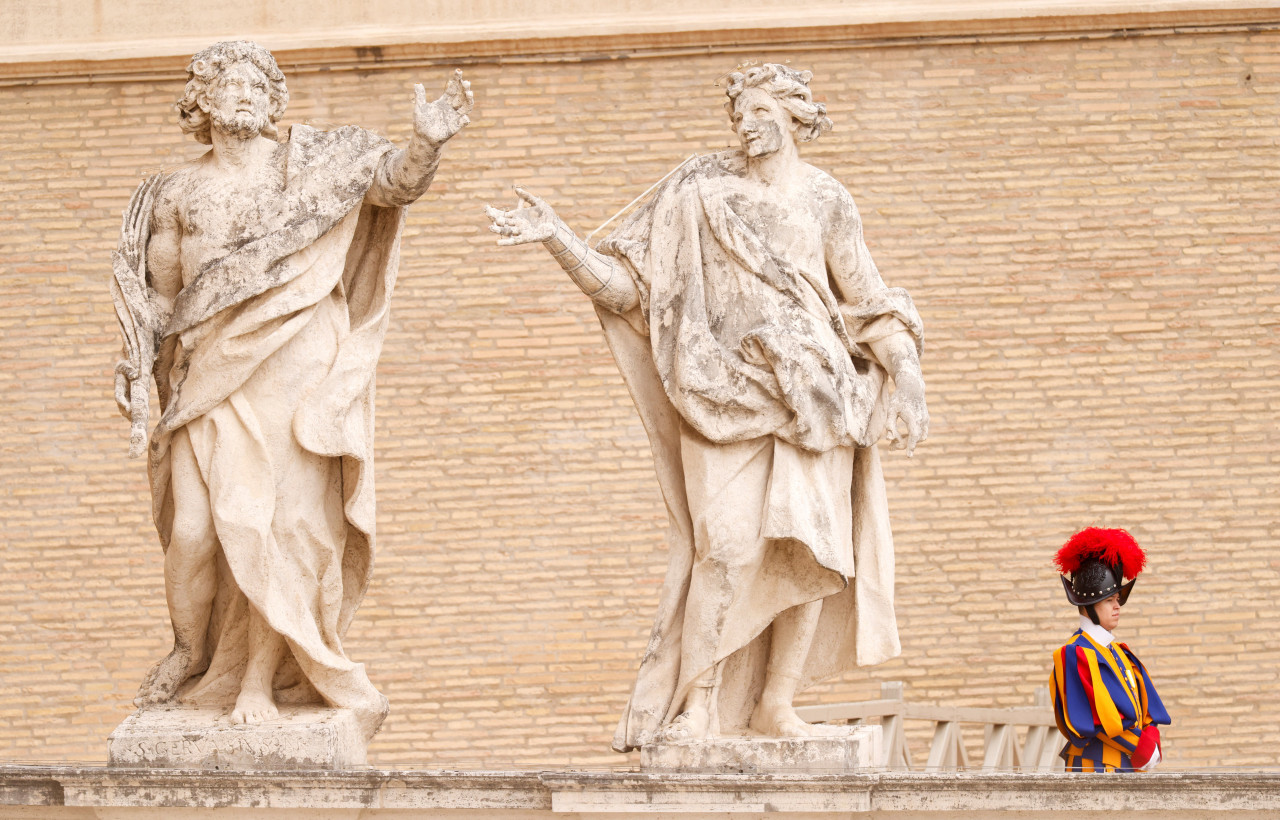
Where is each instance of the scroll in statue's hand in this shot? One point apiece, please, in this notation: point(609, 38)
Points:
point(520, 225)
point(437, 121)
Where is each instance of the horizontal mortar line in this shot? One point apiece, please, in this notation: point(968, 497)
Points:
point(353, 62)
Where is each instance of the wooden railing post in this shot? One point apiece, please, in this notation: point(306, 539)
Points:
point(896, 753)
point(947, 752)
point(1001, 750)
point(1040, 752)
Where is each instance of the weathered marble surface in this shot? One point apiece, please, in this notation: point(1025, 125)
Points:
point(300, 737)
point(758, 340)
point(858, 751)
point(67, 792)
point(253, 284)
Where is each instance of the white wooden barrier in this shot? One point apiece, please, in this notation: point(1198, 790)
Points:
point(1037, 752)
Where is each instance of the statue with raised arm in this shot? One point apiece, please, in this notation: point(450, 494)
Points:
point(254, 283)
point(758, 341)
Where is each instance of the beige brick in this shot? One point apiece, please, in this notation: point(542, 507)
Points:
point(1088, 226)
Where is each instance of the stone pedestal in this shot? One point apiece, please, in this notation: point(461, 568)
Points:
point(859, 751)
point(301, 738)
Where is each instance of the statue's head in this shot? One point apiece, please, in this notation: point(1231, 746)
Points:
point(770, 100)
point(236, 87)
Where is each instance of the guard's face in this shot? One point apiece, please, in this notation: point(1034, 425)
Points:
point(239, 100)
point(1108, 613)
point(761, 123)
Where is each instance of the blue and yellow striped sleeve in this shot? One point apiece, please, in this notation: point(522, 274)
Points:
point(1152, 707)
point(1090, 701)
point(1072, 705)
point(1104, 704)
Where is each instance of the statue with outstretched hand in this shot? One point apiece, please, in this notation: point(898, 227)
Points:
point(253, 284)
point(766, 357)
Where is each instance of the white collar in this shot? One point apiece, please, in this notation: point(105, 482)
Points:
point(1095, 631)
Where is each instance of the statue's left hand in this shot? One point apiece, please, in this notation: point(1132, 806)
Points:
point(908, 406)
point(437, 121)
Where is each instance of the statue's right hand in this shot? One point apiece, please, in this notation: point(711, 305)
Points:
point(535, 223)
point(125, 373)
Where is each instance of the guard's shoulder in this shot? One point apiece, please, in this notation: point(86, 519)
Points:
point(1068, 657)
point(1079, 642)
point(1124, 647)
point(1068, 648)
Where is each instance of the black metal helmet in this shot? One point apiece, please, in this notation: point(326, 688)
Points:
point(1094, 581)
point(1098, 560)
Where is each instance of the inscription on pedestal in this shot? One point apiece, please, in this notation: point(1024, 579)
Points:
point(189, 738)
point(858, 751)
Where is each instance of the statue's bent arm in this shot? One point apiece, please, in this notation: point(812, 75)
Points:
point(404, 175)
point(849, 261)
point(602, 278)
point(856, 277)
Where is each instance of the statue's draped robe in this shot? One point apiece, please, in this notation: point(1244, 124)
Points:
point(275, 346)
point(762, 399)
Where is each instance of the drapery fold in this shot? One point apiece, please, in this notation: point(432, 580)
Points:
point(275, 346)
point(796, 390)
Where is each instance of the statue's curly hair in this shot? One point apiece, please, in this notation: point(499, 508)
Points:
point(204, 69)
point(790, 88)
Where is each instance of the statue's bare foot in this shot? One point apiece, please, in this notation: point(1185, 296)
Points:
point(254, 706)
point(692, 724)
point(784, 722)
point(162, 682)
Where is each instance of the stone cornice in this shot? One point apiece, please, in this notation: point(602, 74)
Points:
point(523, 33)
point(620, 794)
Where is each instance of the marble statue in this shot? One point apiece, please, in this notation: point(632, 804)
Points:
point(253, 284)
point(758, 341)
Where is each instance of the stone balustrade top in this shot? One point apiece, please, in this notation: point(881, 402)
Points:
point(99, 792)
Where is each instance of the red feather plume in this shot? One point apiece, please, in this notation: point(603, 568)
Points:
point(1112, 546)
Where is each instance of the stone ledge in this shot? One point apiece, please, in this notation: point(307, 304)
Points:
point(70, 791)
point(891, 794)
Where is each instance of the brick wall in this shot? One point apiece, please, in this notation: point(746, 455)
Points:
point(1088, 228)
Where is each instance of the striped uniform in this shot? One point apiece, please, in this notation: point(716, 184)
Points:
point(1102, 699)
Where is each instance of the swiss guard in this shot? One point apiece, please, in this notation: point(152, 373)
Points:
point(1103, 699)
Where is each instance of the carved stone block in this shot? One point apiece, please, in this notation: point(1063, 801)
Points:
point(858, 751)
point(303, 737)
